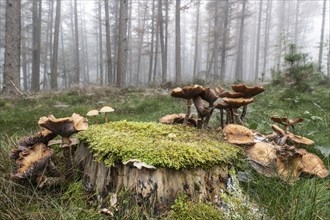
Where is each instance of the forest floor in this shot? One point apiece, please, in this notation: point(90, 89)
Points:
point(308, 198)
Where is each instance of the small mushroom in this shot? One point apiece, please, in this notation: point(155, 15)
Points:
point(188, 93)
point(177, 119)
point(248, 91)
point(286, 121)
point(238, 134)
point(65, 127)
point(93, 113)
point(106, 110)
point(234, 104)
point(283, 137)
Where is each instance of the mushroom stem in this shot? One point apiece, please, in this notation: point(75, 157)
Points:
point(106, 117)
point(221, 117)
point(185, 120)
point(52, 169)
point(66, 145)
point(243, 112)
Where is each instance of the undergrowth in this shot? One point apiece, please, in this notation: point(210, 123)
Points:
point(308, 198)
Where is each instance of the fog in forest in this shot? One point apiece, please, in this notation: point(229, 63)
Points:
point(65, 43)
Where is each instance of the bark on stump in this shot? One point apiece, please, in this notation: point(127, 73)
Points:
point(158, 187)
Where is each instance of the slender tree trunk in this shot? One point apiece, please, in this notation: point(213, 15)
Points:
point(266, 39)
point(224, 41)
point(196, 41)
point(280, 30)
point(108, 41)
point(122, 37)
point(36, 38)
point(86, 51)
point(258, 42)
point(156, 52)
point(115, 39)
point(63, 60)
point(216, 41)
point(177, 42)
point(54, 74)
point(129, 44)
point(141, 38)
point(11, 72)
point(240, 52)
point(161, 39)
point(322, 35)
point(49, 35)
point(166, 38)
point(77, 59)
point(150, 78)
point(100, 43)
point(296, 33)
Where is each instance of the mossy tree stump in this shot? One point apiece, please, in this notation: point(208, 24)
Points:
point(154, 161)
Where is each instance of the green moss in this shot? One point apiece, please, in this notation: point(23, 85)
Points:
point(157, 144)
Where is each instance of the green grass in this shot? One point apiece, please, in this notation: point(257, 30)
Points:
point(308, 198)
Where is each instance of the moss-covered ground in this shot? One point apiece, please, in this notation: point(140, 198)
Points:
point(309, 198)
point(157, 144)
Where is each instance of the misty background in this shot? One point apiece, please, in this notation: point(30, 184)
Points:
point(65, 43)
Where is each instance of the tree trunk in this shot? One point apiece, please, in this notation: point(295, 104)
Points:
point(141, 37)
point(177, 42)
point(224, 41)
point(11, 72)
point(258, 42)
point(122, 37)
point(77, 59)
point(161, 39)
point(196, 41)
point(63, 60)
point(49, 36)
point(240, 51)
point(296, 33)
point(36, 38)
point(266, 40)
point(53, 81)
point(150, 78)
point(216, 41)
point(322, 35)
point(280, 30)
point(100, 43)
point(108, 41)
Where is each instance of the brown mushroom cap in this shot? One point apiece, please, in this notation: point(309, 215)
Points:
point(247, 90)
point(221, 105)
point(290, 168)
point(209, 95)
point(262, 152)
point(286, 121)
point(33, 160)
point(278, 130)
point(299, 139)
point(43, 136)
point(105, 109)
point(231, 94)
point(238, 134)
point(171, 119)
point(64, 127)
point(237, 102)
point(187, 92)
point(312, 164)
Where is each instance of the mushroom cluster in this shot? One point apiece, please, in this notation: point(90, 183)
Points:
point(229, 102)
point(33, 154)
point(277, 158)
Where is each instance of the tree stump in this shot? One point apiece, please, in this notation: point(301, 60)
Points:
point(153, 182)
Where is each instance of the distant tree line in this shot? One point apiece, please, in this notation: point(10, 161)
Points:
point(54, 44)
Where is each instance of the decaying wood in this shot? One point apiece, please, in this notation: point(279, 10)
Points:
point(158, 187)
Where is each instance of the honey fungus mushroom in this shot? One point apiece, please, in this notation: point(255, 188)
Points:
point(106, 110)
point(286, 121)
point(65, 127)
point(238, 134)
point(32, 162)
point(188, 93)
